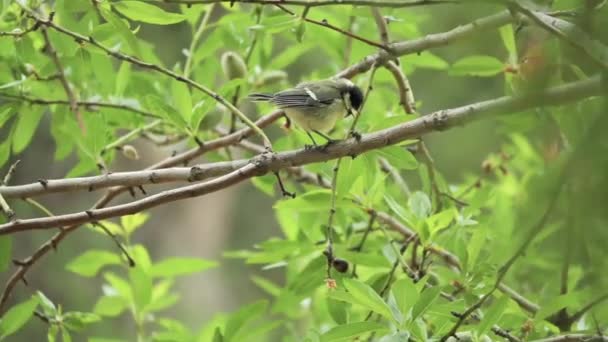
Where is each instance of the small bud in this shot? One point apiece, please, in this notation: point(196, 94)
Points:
point(130, 152)
point(487, 166)
point(340, 265)
point(233, 65)
point(331, 283)
point(300, 30)
point(271, 77)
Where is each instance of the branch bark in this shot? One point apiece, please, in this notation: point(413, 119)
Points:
point(317, 3)
point(436, 121)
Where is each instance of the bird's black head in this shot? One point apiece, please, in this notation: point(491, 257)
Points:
point(356, 96)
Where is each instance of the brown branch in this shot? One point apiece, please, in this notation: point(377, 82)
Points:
point(62, 78)
point(87, 105)
point(428, 42)
point(406, 95)
point(325, 23)
point(439, 120)
point(317, 3)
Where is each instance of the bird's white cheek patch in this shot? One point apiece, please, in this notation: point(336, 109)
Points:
point(311, 94)
point(347, 103)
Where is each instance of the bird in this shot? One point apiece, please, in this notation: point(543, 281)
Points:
point(316, 106)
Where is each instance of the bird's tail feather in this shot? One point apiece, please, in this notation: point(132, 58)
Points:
point(260, 97)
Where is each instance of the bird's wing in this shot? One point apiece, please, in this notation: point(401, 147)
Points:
point(306, 95)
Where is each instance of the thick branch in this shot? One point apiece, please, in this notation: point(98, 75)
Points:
point(428, 42)
point(317, 3)
point(439, 120)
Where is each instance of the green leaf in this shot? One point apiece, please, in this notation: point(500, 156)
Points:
point(477, 66)
point(200, 111)
point(351, 331)
point(475, 245)
point(406, 295)
point(110, 306)
point(398, 336)
point(182, 99)
point(17, 316)
point(288, 56)
point(27, 122)
point(122, 78)
point(118, 286)
point(47, 305)
point(427, 298)
point(5, 150)
point(121, 27)
point(493, 315)
point(508, 39)
point(5, 114)
point(65, 335)
point(238, 322)
point(167, 111)
point(399, 157)
point(90, 262)
point(77, 321)
point(141, 287)
point(440, 220)
point(6, 250)
point(366, 296)
point(427, 60)
point(131, 222)
point(180, 266)
point(420, 204)
point(141, 11)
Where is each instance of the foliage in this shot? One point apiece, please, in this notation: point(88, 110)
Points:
point(405, 259)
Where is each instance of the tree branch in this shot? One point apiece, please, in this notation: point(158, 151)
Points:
point(317, 3)
point(62, 78)
point(325, 23)
point(428, 42)
point(88, 105)
point(436, 121)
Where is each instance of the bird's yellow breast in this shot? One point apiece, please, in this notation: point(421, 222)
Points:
point(317, 119)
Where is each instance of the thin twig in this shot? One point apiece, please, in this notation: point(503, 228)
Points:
point(316, 3)
point(116, 242)
point(326, 24)
point(394, 172)
point(88, 105)
point(132, 134)
point(406, 95)
point(62, 78)
point(195, 38)
point(430, 165)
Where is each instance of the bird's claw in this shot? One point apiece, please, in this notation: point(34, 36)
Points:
point(355, 135)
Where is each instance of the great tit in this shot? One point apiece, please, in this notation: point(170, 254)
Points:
point(316, 106)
